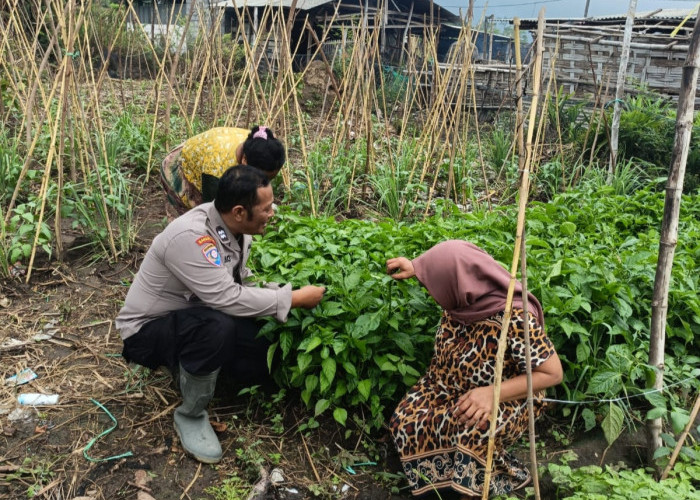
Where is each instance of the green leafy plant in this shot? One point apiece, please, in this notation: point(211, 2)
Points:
point(555, 177)
point(10, 167)
point(647, 131)
point(629, 176)
point(23, 227)
point(592, 261)
point(104, 200)
point(395, 195)
point(499, 147)
point(130, 141)
point(232, 488)
point(618, 483)
point(360, 345)
point(569, 115)
point(34, 474)
point(393, 87)
point(329, 185)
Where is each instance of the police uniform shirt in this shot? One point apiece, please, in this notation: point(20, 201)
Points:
point(197, 261)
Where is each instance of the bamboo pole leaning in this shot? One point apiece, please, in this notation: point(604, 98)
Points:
point(669, 225)
point(682, 438)
point(620, 90)
point(524, 191)
point(523, 264)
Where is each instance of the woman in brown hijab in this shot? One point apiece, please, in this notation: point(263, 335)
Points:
point(441, 426)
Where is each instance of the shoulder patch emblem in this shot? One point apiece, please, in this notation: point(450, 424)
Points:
point(205, 239)
point(222, 233)
point(211, 253)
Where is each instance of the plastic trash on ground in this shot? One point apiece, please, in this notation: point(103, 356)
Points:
point(21, 415)
point(22, 377)
point(37, 399)
point(276, 476)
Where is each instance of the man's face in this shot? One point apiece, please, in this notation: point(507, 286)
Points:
point(262, 212)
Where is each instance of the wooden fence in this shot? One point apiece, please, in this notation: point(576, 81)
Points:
point(586, 59)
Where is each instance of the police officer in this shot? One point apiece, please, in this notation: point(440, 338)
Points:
point(191, 305)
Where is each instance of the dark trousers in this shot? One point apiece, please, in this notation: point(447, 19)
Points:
point(202, 340)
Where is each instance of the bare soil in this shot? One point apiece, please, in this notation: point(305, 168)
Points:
point(61, 326)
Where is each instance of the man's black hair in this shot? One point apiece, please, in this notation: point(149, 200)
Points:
point(239, 186)
point(265, 153)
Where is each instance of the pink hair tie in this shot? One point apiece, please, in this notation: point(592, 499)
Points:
point(261, 133)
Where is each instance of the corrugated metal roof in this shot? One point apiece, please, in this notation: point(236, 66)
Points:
point(419, 6)
point(301, 4)
point(650, 15)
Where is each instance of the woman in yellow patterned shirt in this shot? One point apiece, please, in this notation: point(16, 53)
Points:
point(190, 172)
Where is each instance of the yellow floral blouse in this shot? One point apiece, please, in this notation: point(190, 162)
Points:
point(211, 152)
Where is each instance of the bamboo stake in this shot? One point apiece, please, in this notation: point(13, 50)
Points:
point(596, 103)
point(478, 142)
point(88, 145)
point(523, 271)
point(105, 61)
point(462, 84)
point(602, 122)
point(202, 79)
point(37, 81)
point(524, 189)
point(171, 78)
point(520, 121)
point(559, 136)
point(49, 160)
point(65, 115)
point(329, 68)
point(620, 91)
point(528, 372)
point(681, 438)
point(542, 123)
point(27, 161)
point(669, 224)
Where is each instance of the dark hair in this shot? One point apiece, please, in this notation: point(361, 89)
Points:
point(264, 153)
point(239, 186)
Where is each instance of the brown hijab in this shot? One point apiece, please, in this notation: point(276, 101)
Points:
point(469, 283)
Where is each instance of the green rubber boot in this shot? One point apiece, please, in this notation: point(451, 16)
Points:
point(192, 420)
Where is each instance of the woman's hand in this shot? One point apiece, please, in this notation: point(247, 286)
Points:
point(474, 407)
point(400, 268)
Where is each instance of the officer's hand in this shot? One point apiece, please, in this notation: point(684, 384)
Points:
point(400, 268)
point(307, 296)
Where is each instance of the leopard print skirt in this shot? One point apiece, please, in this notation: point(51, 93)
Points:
point(439, 453)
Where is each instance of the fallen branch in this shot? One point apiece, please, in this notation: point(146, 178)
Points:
point(681, 439)
point(311, 460)
point(194, 479)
